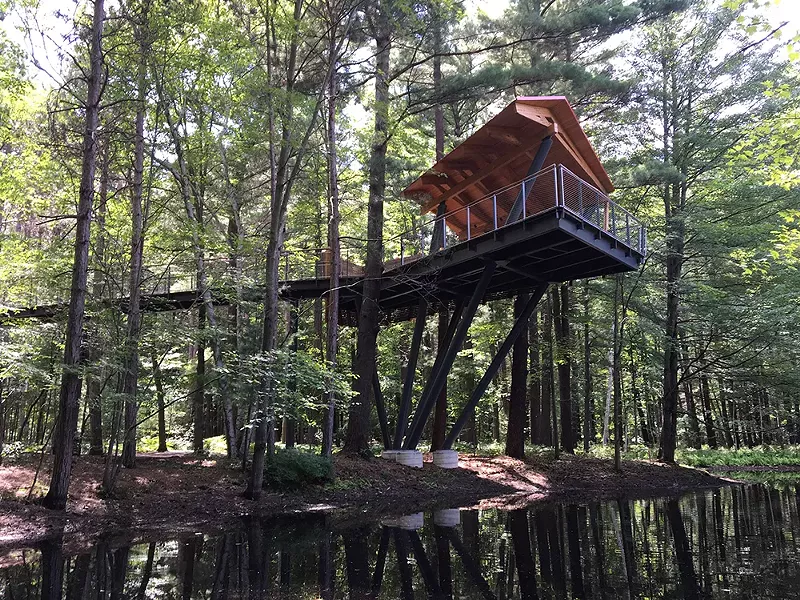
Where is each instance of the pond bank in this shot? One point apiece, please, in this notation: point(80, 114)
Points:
point(170, 492)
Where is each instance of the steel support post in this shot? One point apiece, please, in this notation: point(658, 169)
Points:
point(421, 558)
point(411, 370)
point(437, 363)
point(536, 165)
point(438, 378)
point(380, 561)
point(519, 326)
point(470, 566)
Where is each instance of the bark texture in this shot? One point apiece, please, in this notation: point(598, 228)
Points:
point(70, 390)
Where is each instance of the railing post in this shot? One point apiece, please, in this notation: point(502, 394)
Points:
point(444, 231)
point(613, 220)
point(524, 201)
point(558, 192)
point(494, 209)
point(597, 207)
point(469, 224)
point(628, 228)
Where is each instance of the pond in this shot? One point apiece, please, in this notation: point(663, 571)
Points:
point(736, 542)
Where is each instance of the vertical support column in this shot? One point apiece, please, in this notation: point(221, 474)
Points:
point(519, 326)
point(517, 209)
point(438, 377)
point(411, 369)
point(437, 363)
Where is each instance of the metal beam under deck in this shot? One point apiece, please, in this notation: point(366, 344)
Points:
point(548, 248)
point(554, 246)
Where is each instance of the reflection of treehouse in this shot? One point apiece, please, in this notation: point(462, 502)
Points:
point(436, 574)
point(521, 203)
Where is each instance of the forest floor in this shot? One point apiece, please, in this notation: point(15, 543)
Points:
point(177, 492)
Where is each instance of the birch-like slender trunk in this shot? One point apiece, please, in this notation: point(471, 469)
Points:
point(70, 391)
point(130, 373)
point(94, 386)
point(332, 333)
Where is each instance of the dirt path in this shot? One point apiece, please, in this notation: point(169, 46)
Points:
point(170, 492)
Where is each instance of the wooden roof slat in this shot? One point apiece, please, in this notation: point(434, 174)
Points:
point(499, 154)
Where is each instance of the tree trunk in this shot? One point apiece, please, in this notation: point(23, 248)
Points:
point(440, 411)
point(162, 425)
point(70, 391)
point(199, 392)
point(588, 404)
point(726, 423)
point(358, 426)
point(546, 432)
point(332, 332)
point(130, 373)
point(470, 431)
point(280, 178)
point(561, 320)
point(674, 200)
point(535, 379)
point(94, 386)
point(708, 417)
point(616, 369)
point(517, 414)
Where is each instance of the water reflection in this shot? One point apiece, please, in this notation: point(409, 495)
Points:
point(731, 543)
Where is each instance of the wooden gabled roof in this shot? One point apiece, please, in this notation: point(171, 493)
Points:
point(501, 151)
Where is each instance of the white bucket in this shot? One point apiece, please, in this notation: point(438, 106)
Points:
point(410, 458)
point(389, 454)
point(450, 517)
point(446, 459)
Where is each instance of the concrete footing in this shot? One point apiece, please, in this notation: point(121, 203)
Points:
point(407, 522)
point(450, 517)
point(389, 454)
point(446, 459)
point(409, 458)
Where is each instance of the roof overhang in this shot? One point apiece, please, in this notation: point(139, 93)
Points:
point(500, 153)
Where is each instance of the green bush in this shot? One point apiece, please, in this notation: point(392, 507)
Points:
point(292, 468)
point(763, 456)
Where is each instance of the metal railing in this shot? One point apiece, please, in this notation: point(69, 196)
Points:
point(548, 190)
point(551, 189)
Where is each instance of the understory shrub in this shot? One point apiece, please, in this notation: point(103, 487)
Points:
point(761, 456)
point(292, 468)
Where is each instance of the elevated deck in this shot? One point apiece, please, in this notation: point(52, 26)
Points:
point(567, 229)
point(525, 192)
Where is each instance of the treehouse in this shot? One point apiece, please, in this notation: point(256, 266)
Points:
point(526, 192)
point(520, 204)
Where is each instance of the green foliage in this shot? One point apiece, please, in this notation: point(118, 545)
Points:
point(759, 456)
point(293, 468)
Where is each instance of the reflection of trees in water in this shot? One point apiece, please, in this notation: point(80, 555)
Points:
point(743, 540)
